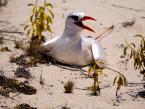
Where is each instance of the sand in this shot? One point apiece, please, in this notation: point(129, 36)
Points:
point(51, 95)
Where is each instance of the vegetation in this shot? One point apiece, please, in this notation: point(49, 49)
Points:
point(14, 85)
point(120, 80)
point(96, 71)
point(40, 22)
point(69, 87)
point(137, 53)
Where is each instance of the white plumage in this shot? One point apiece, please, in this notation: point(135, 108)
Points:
point(71, 47)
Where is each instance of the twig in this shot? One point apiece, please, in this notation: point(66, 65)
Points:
point(73, 68)
point(100, 35)
point(84, 73)
point(79, 68)
point(112, 70)
point(67, 68)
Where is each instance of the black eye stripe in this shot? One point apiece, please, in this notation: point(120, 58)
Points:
point(76, 18)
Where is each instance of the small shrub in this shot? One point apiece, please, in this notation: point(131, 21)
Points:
point(120, 80)
point(137, 53)
point(41, 19)
point(69, 87)
point(95, 71)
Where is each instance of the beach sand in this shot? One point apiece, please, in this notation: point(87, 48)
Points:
point(51, 95)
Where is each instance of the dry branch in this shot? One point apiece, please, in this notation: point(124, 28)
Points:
point(100, 36)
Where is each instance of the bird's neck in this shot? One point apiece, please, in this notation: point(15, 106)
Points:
point(72, 34)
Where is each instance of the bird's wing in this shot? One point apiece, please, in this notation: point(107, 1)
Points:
point(49, 44)
point(98, 54)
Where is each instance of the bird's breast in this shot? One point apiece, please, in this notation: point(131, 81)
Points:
point(72, 53)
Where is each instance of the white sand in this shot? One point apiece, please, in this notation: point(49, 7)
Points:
point(16, 14)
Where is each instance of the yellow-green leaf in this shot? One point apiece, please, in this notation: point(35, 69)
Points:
point(90, 70)
point(31, 18)
point(49, 5)
point(27, 26)
point(51, 13)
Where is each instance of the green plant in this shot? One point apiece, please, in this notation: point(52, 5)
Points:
point(40, 19)
point(40, 22)
point(69, 87)
point(96, 71)
point(136, 52)
point(121, 81)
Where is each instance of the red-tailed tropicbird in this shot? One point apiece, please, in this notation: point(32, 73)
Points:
point(71, 47)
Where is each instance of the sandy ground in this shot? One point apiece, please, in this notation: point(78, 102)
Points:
point(51, 95)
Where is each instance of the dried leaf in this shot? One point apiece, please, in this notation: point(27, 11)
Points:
point(115, 79)
point(27, 26)
point(5, 49)
point(30, 4)
point(90, 70)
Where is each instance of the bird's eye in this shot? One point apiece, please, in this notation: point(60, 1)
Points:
point(75, 18)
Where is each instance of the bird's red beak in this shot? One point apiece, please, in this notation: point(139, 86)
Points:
point(84, 26)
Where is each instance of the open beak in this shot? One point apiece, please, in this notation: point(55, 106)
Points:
point(84, 26)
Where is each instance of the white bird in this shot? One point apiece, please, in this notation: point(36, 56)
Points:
point(71, 47)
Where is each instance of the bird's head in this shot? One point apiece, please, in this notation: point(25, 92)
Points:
point(74, 21)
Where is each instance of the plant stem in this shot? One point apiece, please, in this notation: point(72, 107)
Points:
point(108, 29)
